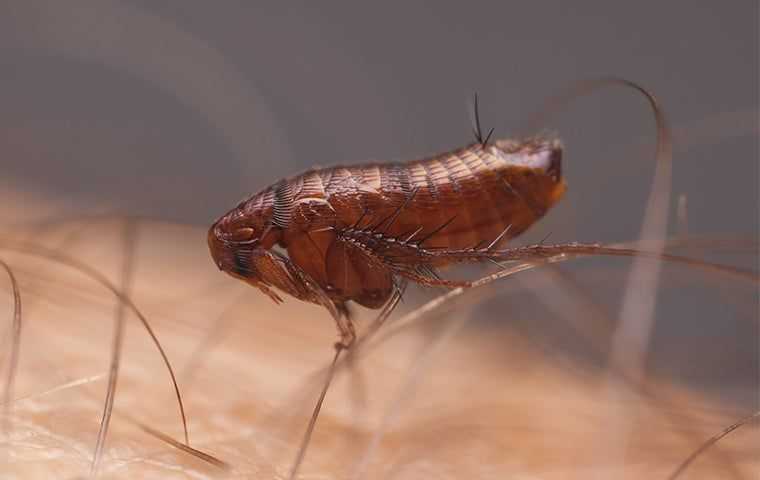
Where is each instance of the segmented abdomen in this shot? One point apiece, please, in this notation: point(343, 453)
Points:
point(458, 199)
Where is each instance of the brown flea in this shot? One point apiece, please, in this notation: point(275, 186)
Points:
point(357, 233)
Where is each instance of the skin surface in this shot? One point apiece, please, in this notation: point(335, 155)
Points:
point(501, 396)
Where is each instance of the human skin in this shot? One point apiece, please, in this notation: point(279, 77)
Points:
point(481, 403)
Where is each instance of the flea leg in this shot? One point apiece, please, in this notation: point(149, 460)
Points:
point(345, 327)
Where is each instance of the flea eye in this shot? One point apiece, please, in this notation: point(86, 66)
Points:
point(242, 234)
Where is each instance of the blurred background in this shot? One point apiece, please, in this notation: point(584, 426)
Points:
point(176, 110)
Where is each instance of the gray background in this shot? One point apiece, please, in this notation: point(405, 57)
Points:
point(177, 110)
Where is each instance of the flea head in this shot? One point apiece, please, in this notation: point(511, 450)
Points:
point(239, 247)
point(230, 241)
